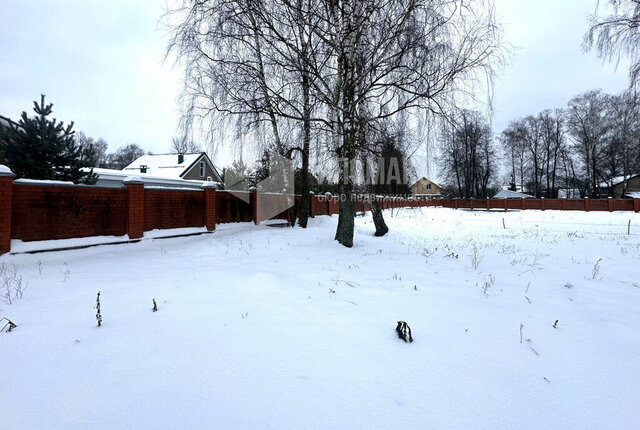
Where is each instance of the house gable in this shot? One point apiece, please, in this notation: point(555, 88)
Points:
point(175, 166)
point(425, 186)
point(199, 171)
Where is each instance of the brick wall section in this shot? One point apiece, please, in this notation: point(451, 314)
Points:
point(271, 206)
point(42, 212)
point(164, 209)
point(230, 208)
point(334, 206)
point(6, 188)
point(135, 210)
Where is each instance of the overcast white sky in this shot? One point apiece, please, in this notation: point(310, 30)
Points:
point(101, 64)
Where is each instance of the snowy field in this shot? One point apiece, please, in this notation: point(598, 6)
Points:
point(263, 327)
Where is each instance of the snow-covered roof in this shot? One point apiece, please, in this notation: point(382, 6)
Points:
point(634, 194)
point(121, 175)
point(615, 181)
point(508, 194)
point(164, 165)
point(168, 165)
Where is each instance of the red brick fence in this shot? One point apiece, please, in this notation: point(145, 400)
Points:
point(37, 210)
point(41, 210)
point(585, 204)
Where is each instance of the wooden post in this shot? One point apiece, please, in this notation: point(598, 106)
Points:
point(209, 190)
point(524, 203)
point(6, 197)
point(586, 204)
point(253, 199)
point(455, 203)
point(564, 204)
point(506, 205)
point(610, 201)
point(488, 204)
point(471, 203)
point(636, 205)
point(542, 203)
point(135, 206)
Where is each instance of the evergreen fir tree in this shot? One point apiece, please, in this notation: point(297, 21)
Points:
point(41, 148)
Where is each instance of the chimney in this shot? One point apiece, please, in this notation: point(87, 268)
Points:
point(143, 168)
point(180, 158)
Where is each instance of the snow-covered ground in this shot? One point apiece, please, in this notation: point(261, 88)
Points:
point(283, 328)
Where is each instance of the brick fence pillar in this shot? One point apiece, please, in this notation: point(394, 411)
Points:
point(6, 195)
point(586, 204)
point(610, 201)
point(542, 203)
point(209, 190)
point(636, 205)
point(253, 199)
point(135, 206)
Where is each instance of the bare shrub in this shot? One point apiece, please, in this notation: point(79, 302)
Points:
point(12, 285)
point(595, 270)
point(476, 256)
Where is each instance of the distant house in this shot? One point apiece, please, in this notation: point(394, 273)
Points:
point(166, 171)
point(615, 186)
point(111, 178)
point(508, 194)
point(425, 188)
point(195, 166)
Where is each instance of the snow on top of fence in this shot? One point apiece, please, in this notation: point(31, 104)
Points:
point(133, 180)
point(43, 182)
point(160, 187)
point(210, 184)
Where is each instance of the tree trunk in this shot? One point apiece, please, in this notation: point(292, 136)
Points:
point(306, 124)
point(346, 216)
point(378, 219)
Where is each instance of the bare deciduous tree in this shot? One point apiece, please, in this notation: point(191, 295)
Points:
point(469, 160)
point(617, 35)
point(588, 126)
point(336, 66)
point(184, 145)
